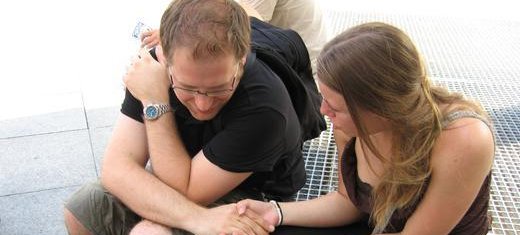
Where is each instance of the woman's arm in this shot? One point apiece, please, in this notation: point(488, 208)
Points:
point(333, 209)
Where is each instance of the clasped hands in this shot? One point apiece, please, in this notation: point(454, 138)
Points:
point(245, 217)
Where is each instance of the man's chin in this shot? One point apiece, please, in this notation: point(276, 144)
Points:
point(201, 116)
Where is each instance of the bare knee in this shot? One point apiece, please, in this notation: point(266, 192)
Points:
point(74, 227)
point(150, 228)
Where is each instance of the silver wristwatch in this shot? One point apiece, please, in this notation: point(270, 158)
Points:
point(154, 111)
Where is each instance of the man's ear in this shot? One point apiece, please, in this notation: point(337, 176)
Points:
point(160, 55)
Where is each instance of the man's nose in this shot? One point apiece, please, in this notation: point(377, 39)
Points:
point(203, 102)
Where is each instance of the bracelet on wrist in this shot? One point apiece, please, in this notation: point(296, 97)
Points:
point(278, 211)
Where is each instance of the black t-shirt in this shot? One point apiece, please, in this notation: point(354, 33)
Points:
point(256, 131)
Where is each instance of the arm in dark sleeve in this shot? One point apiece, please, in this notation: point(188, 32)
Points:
point(249, 143)
point(132, 107)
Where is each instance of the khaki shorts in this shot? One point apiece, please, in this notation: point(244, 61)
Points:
point(102, 213)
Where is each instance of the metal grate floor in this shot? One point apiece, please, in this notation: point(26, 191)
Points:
point(477, 58)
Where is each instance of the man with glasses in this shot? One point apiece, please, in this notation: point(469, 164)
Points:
point(215, 122)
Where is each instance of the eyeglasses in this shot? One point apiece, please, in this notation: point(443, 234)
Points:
point(193, 92)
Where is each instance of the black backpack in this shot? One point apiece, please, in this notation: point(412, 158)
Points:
point(285, 53)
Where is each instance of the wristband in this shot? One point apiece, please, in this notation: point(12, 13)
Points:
point(279, 211)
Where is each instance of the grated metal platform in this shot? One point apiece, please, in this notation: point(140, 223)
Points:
point(480, 59)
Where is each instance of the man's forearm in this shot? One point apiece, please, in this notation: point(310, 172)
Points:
point(170, 161)
point(146, 195)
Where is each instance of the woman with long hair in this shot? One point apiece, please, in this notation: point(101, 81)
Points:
point(413, 157)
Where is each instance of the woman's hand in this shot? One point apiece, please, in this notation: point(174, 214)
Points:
point(267, 211)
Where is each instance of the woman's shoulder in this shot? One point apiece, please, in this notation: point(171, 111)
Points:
point(467, 140)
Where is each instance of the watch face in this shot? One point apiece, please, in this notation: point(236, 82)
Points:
point(151, 112)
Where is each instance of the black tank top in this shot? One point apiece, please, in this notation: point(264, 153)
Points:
point(475, 222)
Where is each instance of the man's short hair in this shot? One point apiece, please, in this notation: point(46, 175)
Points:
point(209, 28)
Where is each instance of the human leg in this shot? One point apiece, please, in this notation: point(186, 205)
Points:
point(94, 210)
point(147, 227)
point(73, 225)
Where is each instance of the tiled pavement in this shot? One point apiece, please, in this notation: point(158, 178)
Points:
point(60, 90)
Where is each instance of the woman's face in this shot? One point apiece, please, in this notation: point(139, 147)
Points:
point(333, 105)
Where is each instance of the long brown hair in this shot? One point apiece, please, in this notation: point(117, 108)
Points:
point(376, 67)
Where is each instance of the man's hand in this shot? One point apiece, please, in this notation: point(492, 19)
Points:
point(266, 210)
point(147, 79)
point(226, 220)
point(150, 38)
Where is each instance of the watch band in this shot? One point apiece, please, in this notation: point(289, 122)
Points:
point(163, 108)
point(154, 111)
